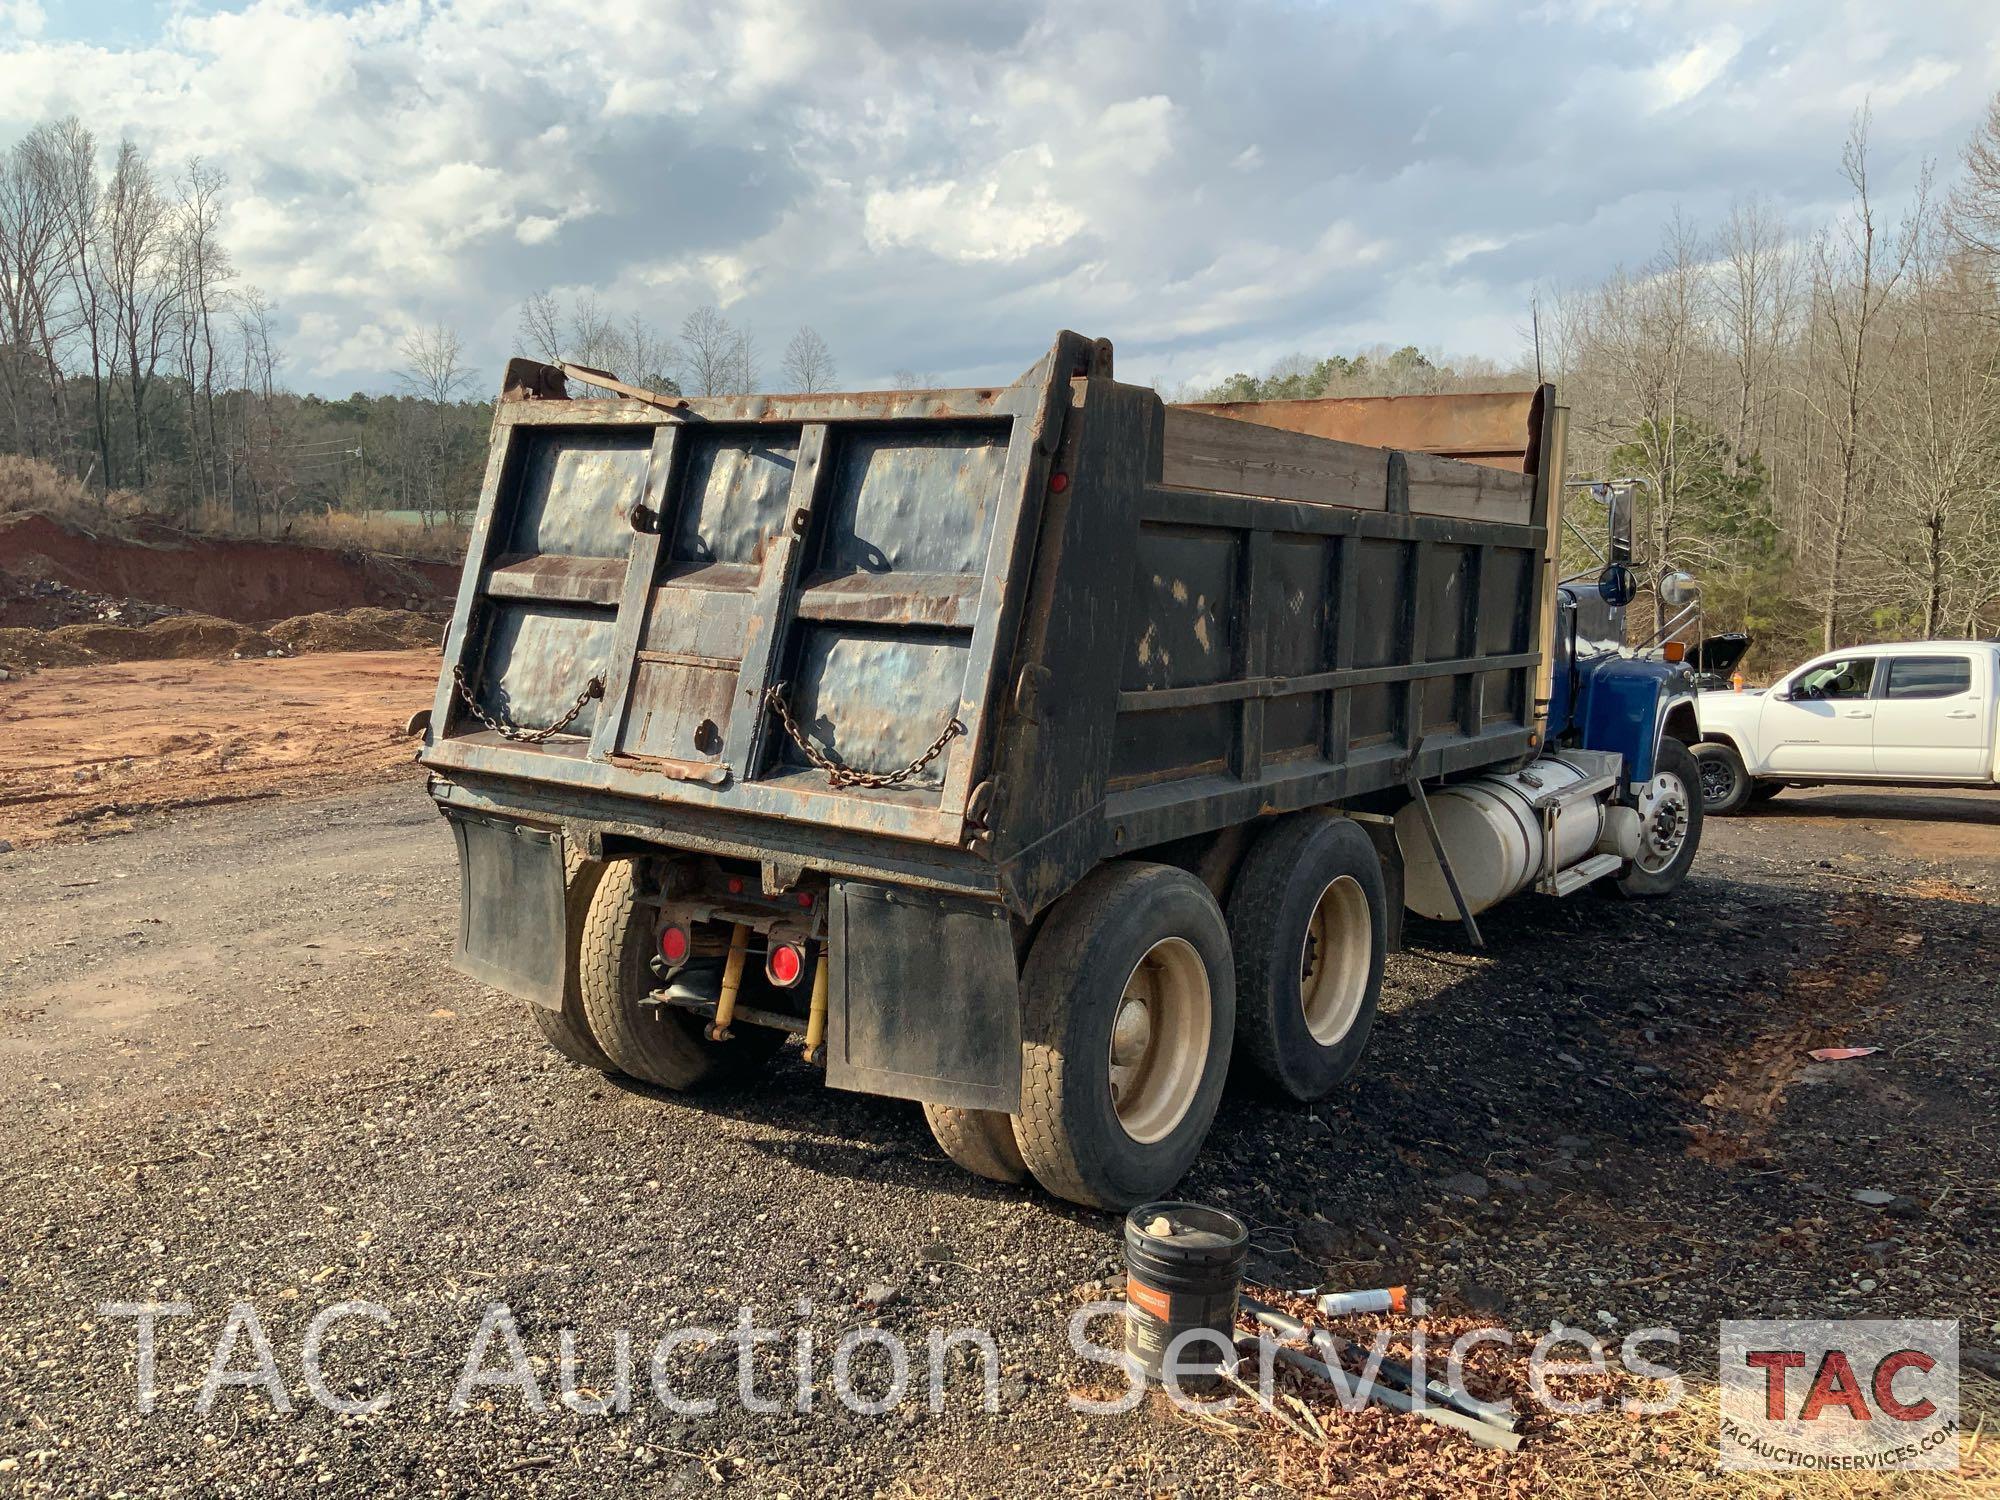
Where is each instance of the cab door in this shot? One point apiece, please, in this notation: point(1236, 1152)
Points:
point(1933, 719)
point(1821, 720)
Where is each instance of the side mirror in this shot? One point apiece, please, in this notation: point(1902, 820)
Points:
point(1781, 694)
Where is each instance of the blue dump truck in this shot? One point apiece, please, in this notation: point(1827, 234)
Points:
point(1028, 751)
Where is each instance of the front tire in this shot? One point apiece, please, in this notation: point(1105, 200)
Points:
point(1725, 781)
point(1129, 997)
point(1671, 818)
point(657, 1043)
point(1309, 922)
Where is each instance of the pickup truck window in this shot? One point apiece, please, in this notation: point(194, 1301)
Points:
point(1847, 678)
point(1929, 677)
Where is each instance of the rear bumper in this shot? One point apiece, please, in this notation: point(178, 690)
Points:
point(603, 825)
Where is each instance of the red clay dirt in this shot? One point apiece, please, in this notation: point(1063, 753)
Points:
point(234, 578)
point(83, 749)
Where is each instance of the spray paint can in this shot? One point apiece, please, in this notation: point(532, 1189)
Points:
point(1346, 1304)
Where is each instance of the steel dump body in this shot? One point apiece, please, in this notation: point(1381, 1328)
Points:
point(1150, 622)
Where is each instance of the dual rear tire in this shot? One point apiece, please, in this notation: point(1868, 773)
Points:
point(1140, 989)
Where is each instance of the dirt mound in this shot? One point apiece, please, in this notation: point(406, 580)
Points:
point(22, 649)
point(232, 578)
point(364, 629)
point(175, 638)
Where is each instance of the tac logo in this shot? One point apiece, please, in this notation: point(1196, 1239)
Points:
point(1857, 1395)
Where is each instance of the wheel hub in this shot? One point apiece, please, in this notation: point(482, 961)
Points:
point(1335, 960)
point(1159, 1040)
point(1663, 821)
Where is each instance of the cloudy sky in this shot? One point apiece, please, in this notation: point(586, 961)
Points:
point(939, 185)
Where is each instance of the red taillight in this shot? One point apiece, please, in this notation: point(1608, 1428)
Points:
point(1058, 482)
point(805, 898)
point(784, 964)
point(675, 945)
point(735, 885)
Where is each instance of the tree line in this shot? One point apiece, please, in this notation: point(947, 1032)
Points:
point(134, 358)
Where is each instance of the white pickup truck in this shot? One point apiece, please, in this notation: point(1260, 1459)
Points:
point(1919, 712)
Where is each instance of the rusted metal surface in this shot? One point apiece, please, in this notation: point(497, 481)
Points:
point(1492, 428)
point(1132, 660)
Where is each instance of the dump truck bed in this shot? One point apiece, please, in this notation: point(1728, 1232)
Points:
point(1146, 622)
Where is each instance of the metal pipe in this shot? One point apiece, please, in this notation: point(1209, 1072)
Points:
point(732, 981)
point(816, 1014)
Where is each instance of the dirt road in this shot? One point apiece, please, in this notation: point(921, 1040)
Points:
point(89, 748)
point(234, 1066)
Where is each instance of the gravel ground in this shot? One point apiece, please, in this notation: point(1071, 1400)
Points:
point(234, 1067)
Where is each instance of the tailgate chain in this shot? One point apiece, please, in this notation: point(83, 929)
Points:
point(592, 689)
point(838, 775)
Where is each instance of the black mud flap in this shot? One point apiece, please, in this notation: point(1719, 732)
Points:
point(510, 907)
point(923, 999)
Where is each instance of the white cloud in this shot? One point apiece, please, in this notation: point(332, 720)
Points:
point(942, 187)
point(1681, 78)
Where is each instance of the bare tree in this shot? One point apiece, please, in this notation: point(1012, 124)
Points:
point(541, 325)
point(1975, 205)
point(30, 270)
point(808, 363)
point(717, 358)
point(1856, 269)
point(1935, 425)
point(202, 272)
point(69, 160)
point(137, 272)
point(434, 374)
point(1757, 299)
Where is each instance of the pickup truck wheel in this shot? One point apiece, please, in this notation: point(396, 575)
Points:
point(1725, 783)
point(1129, 996)
point(656, 1043)
point(566, 1030)
point(1309, 923)
point(1670, 816)
point(979, 1140)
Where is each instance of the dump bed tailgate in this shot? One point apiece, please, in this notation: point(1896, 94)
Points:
point(657, 578)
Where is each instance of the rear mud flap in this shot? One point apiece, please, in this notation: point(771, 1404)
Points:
point(510, 907)
point(924, 1001)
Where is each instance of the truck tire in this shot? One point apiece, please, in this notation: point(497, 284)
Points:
point(1725, 782)
point(656, 1043)
point(1664, 860)
point(1129, 1000)
point(566, 1030)
point(979, 1140)
point(1309, 921)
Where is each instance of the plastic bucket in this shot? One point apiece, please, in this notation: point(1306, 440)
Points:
point(1179, 1283)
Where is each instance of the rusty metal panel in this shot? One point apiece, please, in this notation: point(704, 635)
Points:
point(577, 490)
point(875, 699)
point(538, 658)
point(1494, 428)
point(705, 613)
point(913, 501)
point(733, 498)
point(679, 708)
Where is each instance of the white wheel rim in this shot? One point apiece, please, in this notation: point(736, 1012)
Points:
point(1334, 959)
point(1159, 1040)
point(1663, 822)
